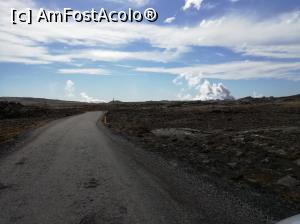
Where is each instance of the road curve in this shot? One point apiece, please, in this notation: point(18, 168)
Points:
point(76, 172)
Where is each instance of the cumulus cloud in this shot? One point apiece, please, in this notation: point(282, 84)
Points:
point(86, 98)
point(69, 88)
point(207, 91)
point(192, 3)
point(83, 96)
point(84, 71)
point(192, 80)
point(193, 76)
point(170, 19)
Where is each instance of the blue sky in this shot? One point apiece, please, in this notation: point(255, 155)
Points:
point(196, 50)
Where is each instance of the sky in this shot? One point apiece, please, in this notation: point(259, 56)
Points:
point(196, 50)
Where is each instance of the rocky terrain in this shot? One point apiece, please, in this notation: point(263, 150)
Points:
point(251, 144)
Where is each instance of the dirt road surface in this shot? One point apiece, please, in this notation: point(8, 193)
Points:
point(76, 172)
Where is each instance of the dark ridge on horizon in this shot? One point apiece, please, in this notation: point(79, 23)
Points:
point(45, 101)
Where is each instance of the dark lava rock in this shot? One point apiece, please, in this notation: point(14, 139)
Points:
point(288, 181)
point(297, 162)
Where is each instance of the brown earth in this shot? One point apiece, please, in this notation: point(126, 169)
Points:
point(249, 144)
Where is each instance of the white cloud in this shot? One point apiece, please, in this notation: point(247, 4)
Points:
point(70, 88)
point(85, 71)
point(207, 91)
point(233, 70)
point(184, 96)
point(192, 3)
point(278, 51)
point(70, 93)
point(110, 55)
point(209, 5)
point(255, 37)
point(170, 19)
point(88, 99)
point(257, 95)
point(138, 3)
point(192, 80)
point(276, 37)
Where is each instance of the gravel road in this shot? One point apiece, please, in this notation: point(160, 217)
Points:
point(75, 171)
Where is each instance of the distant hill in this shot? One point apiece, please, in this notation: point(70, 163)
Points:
point(272, 99)
point(294, 97)
point(30, 101)
point(42, 102)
